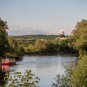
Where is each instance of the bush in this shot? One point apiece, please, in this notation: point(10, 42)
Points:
point(24, 80)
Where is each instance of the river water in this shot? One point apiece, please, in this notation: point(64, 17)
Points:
point(45, 67)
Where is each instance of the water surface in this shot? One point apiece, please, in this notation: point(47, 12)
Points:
point(45, 67)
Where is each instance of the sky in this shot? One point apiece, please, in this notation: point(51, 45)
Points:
point(42, 16)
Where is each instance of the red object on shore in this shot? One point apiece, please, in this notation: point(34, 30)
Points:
point(5, 63)
point(8, 61)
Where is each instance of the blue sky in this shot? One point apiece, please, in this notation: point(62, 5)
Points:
point(42, 16)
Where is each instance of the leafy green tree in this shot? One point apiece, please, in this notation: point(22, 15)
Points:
point(3, 37)
point(40, 46)
point(30, 48)
point(79, 73)
point(12, 47)
point(79, 35)
point(21, 50)
point(51, 47)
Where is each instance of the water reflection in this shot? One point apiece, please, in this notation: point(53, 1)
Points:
point(3, 70)
point(7, 68)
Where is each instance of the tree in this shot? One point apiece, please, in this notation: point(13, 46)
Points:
point(13, 47)
point(51, 47)
point(79, 35)
point(3, 37)
point(79, 73)
point(40, 46)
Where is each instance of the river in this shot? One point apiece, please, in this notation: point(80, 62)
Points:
point(45, 67)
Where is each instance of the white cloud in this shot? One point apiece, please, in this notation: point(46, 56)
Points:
point(25, 31)
point(33, 31)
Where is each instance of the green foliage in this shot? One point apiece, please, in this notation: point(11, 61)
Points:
point(3, 37)
point(51, 47)
point(13, 50)
point(24, 80)
point(79, 73)
point(62, 81)
point(13, 47)
point(41, 46)
point(21, 50)
point(80, 35)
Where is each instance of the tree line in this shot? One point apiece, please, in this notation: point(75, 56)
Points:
point(13, 46)
point(41, 46)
